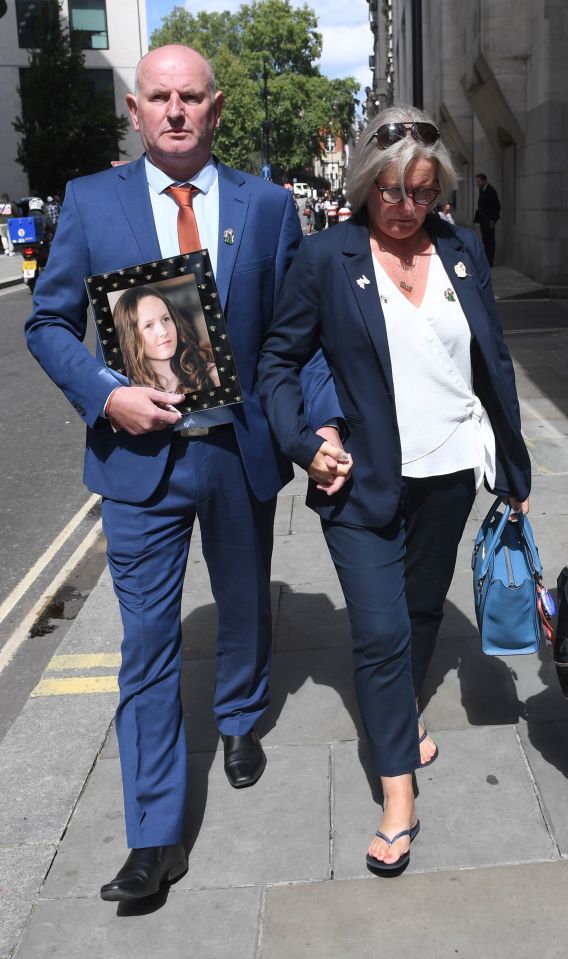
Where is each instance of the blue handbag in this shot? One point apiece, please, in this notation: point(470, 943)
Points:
point(507, 575)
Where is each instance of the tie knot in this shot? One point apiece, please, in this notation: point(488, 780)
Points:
point(183, 195)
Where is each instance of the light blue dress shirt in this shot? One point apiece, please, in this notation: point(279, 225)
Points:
point(206, 208)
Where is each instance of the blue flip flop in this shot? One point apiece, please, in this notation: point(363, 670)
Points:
point(377, 865)
point(432, 758)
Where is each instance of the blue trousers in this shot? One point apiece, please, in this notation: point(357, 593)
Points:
point(148, 549)
point(395, 580)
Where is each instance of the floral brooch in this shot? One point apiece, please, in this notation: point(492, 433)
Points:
point(461, 270)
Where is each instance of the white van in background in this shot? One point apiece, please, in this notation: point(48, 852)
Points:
point(301, 189)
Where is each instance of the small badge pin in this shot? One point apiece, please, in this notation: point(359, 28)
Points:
point(229, 235)
point(383, 298)
point(461, 270)
point(450, 295)
point(363, 281)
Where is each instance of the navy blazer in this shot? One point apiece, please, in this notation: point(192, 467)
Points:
point(321, 302)
point(106, 224)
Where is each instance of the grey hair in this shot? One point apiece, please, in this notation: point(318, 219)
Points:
point(369, 161)
point(211, 83)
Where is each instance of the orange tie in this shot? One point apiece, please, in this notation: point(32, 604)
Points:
point(188, 234)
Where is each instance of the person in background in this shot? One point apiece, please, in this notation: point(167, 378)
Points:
point(332, 209)
point(487, 214)
point(400, 302)
point(158, 471)
point(445, 212)
point(36, 209)
point(308, 215)
point(52, 210)
point(319, 215)
point(7, 210)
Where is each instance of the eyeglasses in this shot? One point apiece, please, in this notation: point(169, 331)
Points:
point(422, 196)
point(390, 133)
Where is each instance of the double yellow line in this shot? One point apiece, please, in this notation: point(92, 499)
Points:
point(79, 685)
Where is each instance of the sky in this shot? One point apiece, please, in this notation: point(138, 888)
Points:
point(344, 25)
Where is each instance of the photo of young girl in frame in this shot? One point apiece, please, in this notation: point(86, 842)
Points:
point(159, 347)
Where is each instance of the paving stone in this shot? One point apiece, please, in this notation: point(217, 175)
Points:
point(505, 912)
point(470, 804)
point(22, 871)
point(545, 746)
point(304, 519)
point(45, 758)
point(276, 832)
point(302, 559)
point(312, 698)
point(312, 617)
point(216, 924)
point(283, 517)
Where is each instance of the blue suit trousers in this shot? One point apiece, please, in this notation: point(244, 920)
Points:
point(148, 549)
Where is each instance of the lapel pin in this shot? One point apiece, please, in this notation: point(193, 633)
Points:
point(383, 298)
point(450, 295)
point(461, 270)
point(229, 235)
point(363, 281)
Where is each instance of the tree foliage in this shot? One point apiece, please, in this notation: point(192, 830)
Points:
point(66, 129)
point(266, 42)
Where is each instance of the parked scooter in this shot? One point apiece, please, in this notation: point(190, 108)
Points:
point(31, 236)
point(34, 259)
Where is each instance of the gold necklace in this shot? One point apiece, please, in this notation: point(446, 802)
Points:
point(408, 264)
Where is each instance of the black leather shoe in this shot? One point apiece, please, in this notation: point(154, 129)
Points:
point(244, 759)
point(144, 872)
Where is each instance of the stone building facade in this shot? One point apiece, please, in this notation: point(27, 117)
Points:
point(494, 74)
point(115, 37)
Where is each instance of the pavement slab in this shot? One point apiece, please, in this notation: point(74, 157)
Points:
point(276, 832)
point(545, 747)
point(45, 759)
point(22, 870)
point(312, 698)
point(312, 617)
point(470, 803)
point(303, 558)
point(500, 913)
point(215, 924)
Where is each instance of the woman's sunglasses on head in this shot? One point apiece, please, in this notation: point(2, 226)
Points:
point(390, 133)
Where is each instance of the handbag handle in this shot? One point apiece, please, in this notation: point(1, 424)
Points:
point(526, 533)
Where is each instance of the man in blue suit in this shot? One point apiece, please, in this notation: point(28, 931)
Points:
point(157, 471)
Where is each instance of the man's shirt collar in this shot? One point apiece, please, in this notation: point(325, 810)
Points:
point(160, 181)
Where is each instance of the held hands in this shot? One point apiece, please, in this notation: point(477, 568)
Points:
point(331, 466)
point(141, 409)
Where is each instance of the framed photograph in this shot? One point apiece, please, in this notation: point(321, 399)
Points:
point(161, 324)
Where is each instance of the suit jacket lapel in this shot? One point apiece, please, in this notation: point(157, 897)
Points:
point(358, 264)
point(233, 208)
point(460, 268)
point(134, 197)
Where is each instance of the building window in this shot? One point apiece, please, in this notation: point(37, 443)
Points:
point(99, 81)
point(26, 11)
point(88, 17)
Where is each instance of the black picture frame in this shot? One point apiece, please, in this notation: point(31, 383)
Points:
point(188, 283)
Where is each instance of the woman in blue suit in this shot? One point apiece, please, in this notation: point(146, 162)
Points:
point(401, 303)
